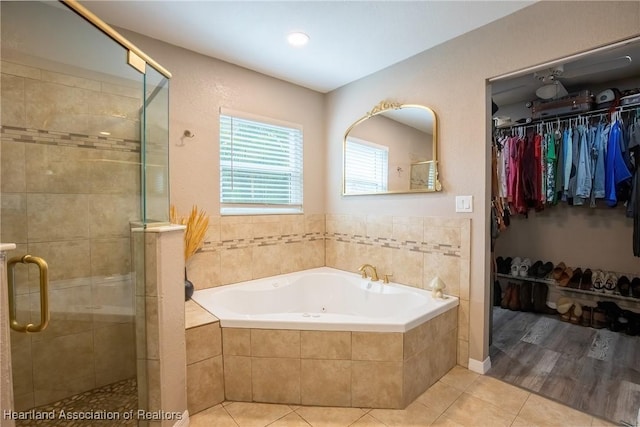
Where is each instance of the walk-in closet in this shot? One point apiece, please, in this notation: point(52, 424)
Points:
point(565, 225)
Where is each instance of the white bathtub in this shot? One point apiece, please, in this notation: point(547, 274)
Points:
point(322, 299)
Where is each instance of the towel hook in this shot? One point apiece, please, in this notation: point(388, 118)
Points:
point(188, 134)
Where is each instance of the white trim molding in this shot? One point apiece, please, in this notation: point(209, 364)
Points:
point(480, 367)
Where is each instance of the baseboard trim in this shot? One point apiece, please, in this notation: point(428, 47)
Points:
point(480, 367)
point(184, 422)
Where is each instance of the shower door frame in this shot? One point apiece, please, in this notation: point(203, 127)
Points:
point(138, 60)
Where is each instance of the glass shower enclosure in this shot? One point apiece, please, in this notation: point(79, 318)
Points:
point(84, 156)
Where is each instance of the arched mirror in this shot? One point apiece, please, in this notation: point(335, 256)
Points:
point(391, 149)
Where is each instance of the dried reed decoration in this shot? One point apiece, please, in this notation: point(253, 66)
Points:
point(197, 223)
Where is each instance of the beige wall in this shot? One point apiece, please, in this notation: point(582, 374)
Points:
point(200, 86)
point(578, 235)
point(451, 79)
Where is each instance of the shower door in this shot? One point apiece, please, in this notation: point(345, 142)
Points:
point(71, 121)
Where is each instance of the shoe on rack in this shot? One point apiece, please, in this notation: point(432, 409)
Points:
point(564, 306)
point(514, 298)
point(634, 324)
point(507, 296)
point(587, 315)
point(624, 286)
point(534, 269)
point(612, 311)
point(545, 270)
point(576, 313)
point(610, 282)
point(540, 291)
point(598, 279)
point(515, 266)
point(574, 282)
point(525, 265)
point(526, 297)
point(497, 293)
point(599, 318)
point(565, 277)
point(587, 280)
point(635, 287)
point(557, 271)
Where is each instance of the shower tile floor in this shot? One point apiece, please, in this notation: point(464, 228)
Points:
point(118, 398)
point(460, 398)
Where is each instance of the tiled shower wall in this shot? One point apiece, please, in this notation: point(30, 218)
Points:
point(411, 250)
point(68, 194)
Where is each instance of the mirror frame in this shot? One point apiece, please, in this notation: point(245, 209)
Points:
point(382, 107)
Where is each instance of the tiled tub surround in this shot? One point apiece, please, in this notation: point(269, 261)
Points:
point(205, 381)
point(67, 195)
point(413, 249)
point(337, 368)
point(290, 351)
point(241, 248)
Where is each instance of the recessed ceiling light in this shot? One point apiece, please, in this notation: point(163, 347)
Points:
point(297, 39)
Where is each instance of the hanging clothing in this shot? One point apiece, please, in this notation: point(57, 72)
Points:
point(602, 136)
point(529, 179)
point(573, 177)
point(559, 137)
point(583, 176)
point(551, 159)
point(615, 169)
point(568, 156)
point(634, 148)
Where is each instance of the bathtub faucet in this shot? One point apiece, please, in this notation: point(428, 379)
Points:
point(374, 273)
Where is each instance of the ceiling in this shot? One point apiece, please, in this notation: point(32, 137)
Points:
point(594, 71)
point(349, 39)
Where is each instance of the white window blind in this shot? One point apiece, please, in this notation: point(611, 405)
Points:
point(367, 166)
point(260, 166)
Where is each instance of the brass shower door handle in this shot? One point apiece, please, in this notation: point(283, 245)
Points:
point(44, 294)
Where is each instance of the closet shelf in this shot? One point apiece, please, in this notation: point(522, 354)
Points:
point(570, 116)
point(555, 284)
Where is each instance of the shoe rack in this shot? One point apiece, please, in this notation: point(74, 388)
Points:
point(590, 295)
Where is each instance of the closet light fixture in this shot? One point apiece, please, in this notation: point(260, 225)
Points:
point(552, 91)
point(297, 39)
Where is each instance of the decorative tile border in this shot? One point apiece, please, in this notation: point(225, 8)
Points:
point(261, 241)
point(67, 139)
point(410, 245)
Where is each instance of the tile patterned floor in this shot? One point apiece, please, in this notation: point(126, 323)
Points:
point(460, 398)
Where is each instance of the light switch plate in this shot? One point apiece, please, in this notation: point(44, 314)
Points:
point(464, 203)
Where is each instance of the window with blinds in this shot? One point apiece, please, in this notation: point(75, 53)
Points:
point(260, 166)
point(367, 167)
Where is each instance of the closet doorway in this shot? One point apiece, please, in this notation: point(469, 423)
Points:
point(565, 314)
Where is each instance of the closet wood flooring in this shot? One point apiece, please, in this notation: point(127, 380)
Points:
point(593, 370)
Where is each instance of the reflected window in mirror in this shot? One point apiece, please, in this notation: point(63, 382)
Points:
point(407, 135)
point(368, 167)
